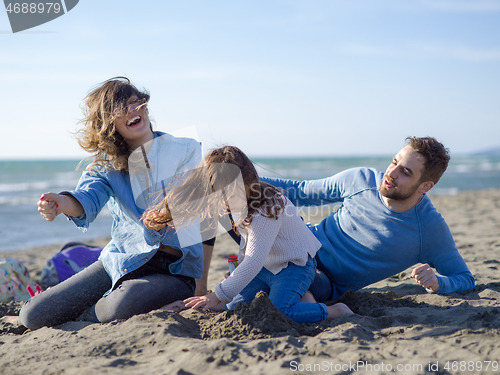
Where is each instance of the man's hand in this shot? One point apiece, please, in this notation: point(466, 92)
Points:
point(426, 277)
point(208, 301)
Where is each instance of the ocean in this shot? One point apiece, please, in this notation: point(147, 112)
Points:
point(23, 182)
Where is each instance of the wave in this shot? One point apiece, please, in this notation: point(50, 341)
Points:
point(18, 201)
point(475, 167)
point(39, 186)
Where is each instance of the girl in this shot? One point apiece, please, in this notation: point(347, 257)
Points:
point(139, 270)
point(277, 249)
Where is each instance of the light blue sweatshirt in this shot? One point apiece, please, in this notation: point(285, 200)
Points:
point(365, 242)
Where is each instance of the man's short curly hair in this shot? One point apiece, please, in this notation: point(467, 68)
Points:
point(436, 157)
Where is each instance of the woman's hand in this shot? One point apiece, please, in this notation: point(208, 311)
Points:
point(176, 306)
point(207, 302)
point(150, 219)
point(50, 205)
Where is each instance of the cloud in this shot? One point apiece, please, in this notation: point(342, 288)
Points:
point(48, 58)
point(464, 5)
point(227, 72)
point(374, 51)
point(426, 51)
point(464, 53)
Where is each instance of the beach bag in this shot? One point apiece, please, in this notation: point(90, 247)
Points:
point(14, 278)
point(69, 260)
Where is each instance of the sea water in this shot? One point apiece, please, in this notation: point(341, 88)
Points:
point(21, 185)
point(23, 182)
point(465, 172)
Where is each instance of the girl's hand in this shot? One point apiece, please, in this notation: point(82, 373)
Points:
point(50, 205)
point(207, 302)
point(149, 220)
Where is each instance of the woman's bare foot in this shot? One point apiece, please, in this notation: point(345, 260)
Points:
point(338, 310)
point(308, 297)
point(176, 306)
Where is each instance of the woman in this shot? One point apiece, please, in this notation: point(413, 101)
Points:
point(139, 270)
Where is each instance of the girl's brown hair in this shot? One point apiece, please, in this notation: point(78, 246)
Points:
point(98, 135)
point(203, 193)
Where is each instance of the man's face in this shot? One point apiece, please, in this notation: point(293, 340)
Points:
point(402, 178)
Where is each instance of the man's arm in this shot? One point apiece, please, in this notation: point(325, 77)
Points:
point(313, 192)
point(458, 282)
point(440, 252)
point(441, 284)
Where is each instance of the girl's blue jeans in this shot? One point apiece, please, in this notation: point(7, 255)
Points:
point(284, 290)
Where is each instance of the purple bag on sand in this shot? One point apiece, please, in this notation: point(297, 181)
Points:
point(69, 260)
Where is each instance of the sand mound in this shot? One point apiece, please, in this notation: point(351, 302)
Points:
point(255, 320)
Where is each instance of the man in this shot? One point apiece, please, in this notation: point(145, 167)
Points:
point(386, 224)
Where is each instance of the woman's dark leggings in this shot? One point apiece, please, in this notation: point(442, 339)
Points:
point(81, 296)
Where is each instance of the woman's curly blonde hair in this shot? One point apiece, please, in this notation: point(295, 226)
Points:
point(98, 134)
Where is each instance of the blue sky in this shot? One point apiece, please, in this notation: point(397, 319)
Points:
point(308, 77)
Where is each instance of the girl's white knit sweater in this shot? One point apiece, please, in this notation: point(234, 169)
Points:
point(269, 243)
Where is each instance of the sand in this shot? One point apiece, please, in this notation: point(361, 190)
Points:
point(398, 327)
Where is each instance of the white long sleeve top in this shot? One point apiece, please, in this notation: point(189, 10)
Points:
point(269, 243)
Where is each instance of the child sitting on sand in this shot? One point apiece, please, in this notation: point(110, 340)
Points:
point(277, 249)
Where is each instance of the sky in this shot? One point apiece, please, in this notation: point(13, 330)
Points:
point(273, 77)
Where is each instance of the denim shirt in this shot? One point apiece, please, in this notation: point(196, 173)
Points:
point(132, 245)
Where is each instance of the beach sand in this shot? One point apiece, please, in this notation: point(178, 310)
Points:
point(397, 325)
